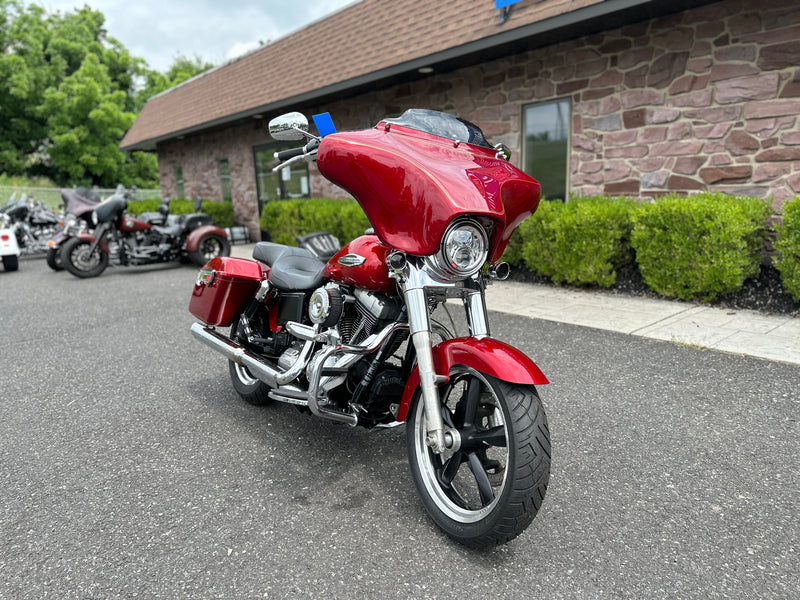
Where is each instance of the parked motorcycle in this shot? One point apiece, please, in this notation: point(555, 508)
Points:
point(78, 205)
point(33, 223)
point(9, 249)
point(353, 340)
point(130, 241)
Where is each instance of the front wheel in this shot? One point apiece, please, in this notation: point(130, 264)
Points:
point(210, 246)
point(488, 489)
point(54, 259)
point(79, 261)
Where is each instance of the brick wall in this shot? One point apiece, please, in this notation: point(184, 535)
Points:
point(704, 99)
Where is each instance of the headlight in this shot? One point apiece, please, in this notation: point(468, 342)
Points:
point(463, 251)
point(94, 217)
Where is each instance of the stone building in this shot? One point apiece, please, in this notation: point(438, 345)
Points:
point(634, 97)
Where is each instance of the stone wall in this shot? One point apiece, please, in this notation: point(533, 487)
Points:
point(704, 99)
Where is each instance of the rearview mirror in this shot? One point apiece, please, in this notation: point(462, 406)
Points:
point(289, 127)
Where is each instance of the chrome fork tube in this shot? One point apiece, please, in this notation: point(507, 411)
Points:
point(420, 327)
point(477, 319)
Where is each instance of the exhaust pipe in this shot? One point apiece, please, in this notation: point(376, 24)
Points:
point(234, 352)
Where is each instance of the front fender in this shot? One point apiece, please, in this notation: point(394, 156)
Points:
point(486, 355)
point(193, 239)
point(88, 237)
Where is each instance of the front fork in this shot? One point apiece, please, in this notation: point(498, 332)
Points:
point(414, 284)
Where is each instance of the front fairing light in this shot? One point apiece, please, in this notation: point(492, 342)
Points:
point(463, 252)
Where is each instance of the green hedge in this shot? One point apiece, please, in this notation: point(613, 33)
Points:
point(581, 242)
point(220, 212)
point(286, 219)
point(788, 246)
point(699, 247)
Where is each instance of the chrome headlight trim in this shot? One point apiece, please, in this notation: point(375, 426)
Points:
point(464, 250)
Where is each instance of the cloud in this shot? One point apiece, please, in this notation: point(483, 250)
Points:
point(159, 31)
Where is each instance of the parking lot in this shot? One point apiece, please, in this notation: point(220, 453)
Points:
point(130, 469)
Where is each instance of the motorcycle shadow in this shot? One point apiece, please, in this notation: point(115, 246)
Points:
point(314, 462)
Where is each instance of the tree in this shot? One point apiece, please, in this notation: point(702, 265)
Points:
point(68, 93)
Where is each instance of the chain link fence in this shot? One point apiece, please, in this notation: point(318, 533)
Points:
point(52, 196)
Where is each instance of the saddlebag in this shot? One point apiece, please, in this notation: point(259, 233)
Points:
point(223, 288)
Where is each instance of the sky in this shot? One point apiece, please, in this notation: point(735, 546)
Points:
point(216, 31)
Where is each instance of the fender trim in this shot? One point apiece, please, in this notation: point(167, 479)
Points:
point(486, 355)
point(194, 237)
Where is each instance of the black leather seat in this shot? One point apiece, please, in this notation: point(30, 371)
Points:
point(299, 272)
point(269, 252)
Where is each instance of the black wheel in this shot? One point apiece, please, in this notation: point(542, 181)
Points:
point(54, 259)
point(78, 260)
point(252, 390)
point(210, 246)
point(11, 262)
point(489, 489)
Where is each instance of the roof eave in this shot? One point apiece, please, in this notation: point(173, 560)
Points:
point(608, 14)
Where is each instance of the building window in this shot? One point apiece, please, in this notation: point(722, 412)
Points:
point(291, 182)
point(546, 151)
point(179, 182)
point(224, 171)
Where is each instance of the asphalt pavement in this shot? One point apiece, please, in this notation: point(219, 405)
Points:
point(129, 468)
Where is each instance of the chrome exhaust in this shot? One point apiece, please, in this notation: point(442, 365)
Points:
point(267, 373)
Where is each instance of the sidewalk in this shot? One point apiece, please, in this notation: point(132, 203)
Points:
point(737, 331)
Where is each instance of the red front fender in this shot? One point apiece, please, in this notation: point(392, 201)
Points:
point(193, 239)
point(88, 237)
point(486, 355)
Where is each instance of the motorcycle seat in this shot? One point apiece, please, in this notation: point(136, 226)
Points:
point(269, 252)
point(168, 230)
point(296, 272)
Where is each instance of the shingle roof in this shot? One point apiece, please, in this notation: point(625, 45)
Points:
point(360, 41)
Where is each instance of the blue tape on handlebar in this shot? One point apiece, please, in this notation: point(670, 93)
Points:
point(324, 124)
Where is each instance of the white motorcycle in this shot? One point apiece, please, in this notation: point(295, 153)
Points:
point(9, 248)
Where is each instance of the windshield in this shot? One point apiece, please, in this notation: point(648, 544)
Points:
point(441, 124)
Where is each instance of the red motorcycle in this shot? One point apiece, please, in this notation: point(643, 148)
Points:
point(126, 240)
point(353, 340)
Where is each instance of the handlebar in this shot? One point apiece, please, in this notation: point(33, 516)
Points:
point(293, 155)
point(287, 154)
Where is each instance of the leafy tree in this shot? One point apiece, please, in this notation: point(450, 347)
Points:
point(68, 93)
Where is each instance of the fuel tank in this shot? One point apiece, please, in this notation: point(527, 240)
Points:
point(129, 224)
point(361, 263)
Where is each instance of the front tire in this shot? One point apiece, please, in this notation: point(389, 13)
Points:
point(210, 246)
point(488, 490)
point(54, 260)
point(80, 262)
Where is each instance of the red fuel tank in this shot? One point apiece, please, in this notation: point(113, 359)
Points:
point(129, 224)
point(362, 263)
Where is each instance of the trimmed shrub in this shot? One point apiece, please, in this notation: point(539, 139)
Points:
point(137, 207)
point(286, 219)
point(220, 212)
point(788, 246)
point(581, 242)
point(699, 247)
